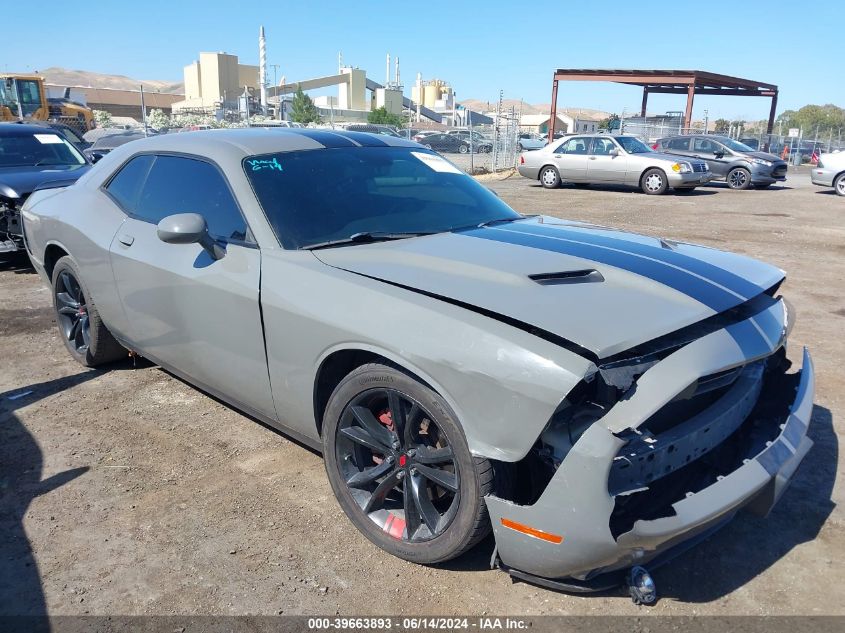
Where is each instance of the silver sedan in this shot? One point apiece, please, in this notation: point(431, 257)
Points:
point(622, 160)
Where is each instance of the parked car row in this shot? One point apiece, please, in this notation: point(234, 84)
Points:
point(678, 162)
point(584, 159)
point(453, 143)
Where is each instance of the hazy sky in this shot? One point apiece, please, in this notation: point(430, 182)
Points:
point(478, 47)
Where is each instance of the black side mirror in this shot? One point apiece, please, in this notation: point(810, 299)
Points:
point(96, 156)
point(188, 228)
point(719, 153)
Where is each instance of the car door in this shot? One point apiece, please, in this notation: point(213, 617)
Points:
point(603, 163)
point(187, 311)
point(718, 157)
point(571, 159)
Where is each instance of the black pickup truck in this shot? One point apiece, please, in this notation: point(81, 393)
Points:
point(31, 157)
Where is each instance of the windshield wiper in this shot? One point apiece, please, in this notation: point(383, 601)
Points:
point(365, 237)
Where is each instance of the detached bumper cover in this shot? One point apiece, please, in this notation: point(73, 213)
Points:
point(582, 504)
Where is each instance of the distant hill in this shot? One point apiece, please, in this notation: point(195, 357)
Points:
point(65, 77)
point(532, 108)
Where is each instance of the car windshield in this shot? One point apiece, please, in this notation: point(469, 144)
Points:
point(633, 145)
point(734, 145)
point(318, 196)
point(40, 148)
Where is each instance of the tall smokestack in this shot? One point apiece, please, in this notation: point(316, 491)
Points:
point(387, 71)
point(262, 69)
point(396, 77)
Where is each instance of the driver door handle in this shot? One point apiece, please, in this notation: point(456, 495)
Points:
point(125, 239)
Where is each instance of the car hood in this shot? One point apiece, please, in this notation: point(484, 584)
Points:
point(19, 182)
point(601, 289)
point(765, 156)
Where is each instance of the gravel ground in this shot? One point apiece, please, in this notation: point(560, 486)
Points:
point(129, 492)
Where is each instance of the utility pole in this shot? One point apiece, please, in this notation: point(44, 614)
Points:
point(144, 111)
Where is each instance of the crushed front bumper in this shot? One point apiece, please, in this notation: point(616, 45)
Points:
point(582, 508)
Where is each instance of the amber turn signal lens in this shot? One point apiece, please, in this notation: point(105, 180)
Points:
point(530, 531)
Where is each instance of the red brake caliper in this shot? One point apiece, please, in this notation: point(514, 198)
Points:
point(395, 525)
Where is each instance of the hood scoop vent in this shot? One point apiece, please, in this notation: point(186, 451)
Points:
point(567, 277)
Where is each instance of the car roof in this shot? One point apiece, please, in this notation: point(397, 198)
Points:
point(252, 141)
point(16, 129)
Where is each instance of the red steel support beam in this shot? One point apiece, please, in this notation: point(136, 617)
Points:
point(553, 113)
point(770, 126)
point(645, 101)
point(688, 113)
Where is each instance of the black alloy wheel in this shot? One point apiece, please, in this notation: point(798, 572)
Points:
point(398, 465)
point(72, 312)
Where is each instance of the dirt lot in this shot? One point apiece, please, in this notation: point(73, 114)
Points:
point(129, 492)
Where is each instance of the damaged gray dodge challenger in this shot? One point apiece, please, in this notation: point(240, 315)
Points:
point(601, 399)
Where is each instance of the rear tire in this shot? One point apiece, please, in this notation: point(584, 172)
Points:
point(463, 149)
point(839, 185)
point(739, 178)
point(84, 334)
point(653, 182)
point(363, 443)
point(549, 177)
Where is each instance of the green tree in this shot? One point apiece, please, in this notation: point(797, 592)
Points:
point(721, 126)
point(609, 123)
point(826, 119)
point(383, 117)
point(102, 118)
point(303, 109)
point(158, 120)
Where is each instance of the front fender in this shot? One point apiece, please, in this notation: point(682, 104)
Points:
point(503, 383)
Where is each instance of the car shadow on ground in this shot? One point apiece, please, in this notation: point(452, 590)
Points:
point(715, 184)
point(16, 262)
point(21, 471)
point(826, 192)
point(698, 191)
point(747, 546)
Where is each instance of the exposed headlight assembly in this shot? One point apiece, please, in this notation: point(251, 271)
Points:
point(760, 161)
point(682, 168)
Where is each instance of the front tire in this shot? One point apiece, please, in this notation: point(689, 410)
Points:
point(549, 177)
point(400, 466)
point(839, 185)
point(653, 182)
point(84, 334)
point(739, 178)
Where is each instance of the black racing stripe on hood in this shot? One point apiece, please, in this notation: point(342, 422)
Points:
point(666, 254)
point(701, 289)
point(520, 325)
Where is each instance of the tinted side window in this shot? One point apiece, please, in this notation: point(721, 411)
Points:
point(185, 185)
point(705, 145)
point(678, 143)
point(126, 185)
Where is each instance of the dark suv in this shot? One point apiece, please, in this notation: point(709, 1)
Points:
point(728, 159)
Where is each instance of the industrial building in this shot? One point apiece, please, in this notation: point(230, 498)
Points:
point(216, 80)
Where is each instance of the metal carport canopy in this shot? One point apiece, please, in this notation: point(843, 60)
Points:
point(689, 82)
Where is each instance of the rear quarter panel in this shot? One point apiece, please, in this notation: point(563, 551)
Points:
point(82, 221)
